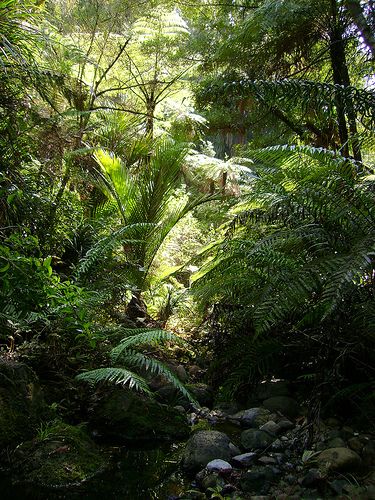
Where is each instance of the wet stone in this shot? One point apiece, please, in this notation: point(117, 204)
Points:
point(245, 459)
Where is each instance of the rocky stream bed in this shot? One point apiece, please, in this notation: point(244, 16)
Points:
point(130, 447)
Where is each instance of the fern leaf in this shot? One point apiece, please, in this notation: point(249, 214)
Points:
point(119, 376)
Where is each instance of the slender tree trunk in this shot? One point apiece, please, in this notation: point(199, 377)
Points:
point(341, 77)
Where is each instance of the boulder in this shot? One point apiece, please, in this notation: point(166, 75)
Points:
point(254, 439)
point(339, 459)
point(205, 446)
point(21, 402)
point(125, 415)
point(61, 456)
point(251, 418)
point(285, 405)
point(203, 393)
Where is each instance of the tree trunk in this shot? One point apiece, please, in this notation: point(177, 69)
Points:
point(341, 77)
point(356, 12)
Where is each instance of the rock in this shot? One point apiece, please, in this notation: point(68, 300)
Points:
point(268, 390)
point(332, 422)
point(336, 443)
point(338, 459)
point(368, 454)
point(334, 433)
point(271, 427)
point(253, 439)
point(234, 449)
point(285, 425)
point(64, 457)
point(203, 393)
point(251, 418)
point(125, 415)
point(181, 373)
point(285, 405)
point(205, 446)
point(312, 479)
point(267, 460)
point(218, 465)
point(258, 480)
point(245, 459)
point(355, 444)
point(227, 408)
point(21, 403)
point(168, 394)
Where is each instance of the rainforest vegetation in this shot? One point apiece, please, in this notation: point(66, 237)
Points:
point(187, 216)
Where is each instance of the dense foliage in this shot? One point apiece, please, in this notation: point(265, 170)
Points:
point(206, 167)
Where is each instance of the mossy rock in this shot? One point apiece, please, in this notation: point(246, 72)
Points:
point(123, 414)
point(21, 402)
point(61, 456)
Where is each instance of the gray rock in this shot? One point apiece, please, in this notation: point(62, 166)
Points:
point(219, 465)
point(245, 459)
point(254, 439)
point(267, 460)
point(251, 418)
point(271, 427)
point(339, 459)
point(285, 425)
point(285, 405)
point(205, 446)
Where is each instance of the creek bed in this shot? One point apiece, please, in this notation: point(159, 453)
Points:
point(147, 473)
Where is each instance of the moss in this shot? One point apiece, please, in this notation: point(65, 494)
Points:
point(129, 416)
point(61, 455)
point(201, 425)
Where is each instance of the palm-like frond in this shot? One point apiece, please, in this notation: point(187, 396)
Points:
point(144, 186)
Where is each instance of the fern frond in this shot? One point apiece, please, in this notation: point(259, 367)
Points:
point(139, 360)
point(119, 376)
point(139, 336)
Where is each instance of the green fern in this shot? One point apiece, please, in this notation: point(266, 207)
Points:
point(124, 354)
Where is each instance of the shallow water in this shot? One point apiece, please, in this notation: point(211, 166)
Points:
point(137, 474)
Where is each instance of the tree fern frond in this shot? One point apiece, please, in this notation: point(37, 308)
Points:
point(119, 376)
point(139, 360)
point(148, 336)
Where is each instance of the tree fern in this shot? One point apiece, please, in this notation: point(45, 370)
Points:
point(299, 249)
point(125, 354)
